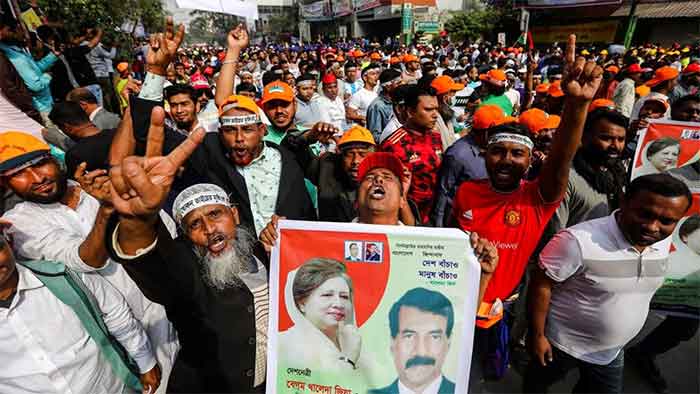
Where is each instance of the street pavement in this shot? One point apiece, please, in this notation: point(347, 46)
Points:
point(680, 366)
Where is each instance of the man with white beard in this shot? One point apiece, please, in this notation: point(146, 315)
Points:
point(212, 279)
point(213, 283)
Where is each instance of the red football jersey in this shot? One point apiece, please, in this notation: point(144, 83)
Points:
point(421, 153)
point(514, 222)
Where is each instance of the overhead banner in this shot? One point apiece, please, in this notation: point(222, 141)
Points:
point(244, 8)
point(564, 3)
point(363, 309)
point(361, 5)
point(342, 7)
point(585, 32)
point(674, 147)
point(318, 9)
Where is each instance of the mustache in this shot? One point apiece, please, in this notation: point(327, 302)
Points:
point(420, 360)
point(42, 184)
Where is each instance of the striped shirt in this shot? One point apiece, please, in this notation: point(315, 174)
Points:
point(256, 281)
point(604, 286)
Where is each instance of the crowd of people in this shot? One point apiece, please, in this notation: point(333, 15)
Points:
point(142, 197)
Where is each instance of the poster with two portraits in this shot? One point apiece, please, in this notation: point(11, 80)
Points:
point(674, 147)
point(360, 309)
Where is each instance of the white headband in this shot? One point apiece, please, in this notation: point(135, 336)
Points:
point(306, 82)
point(238, 120)
point(510, 137)
point(197, 196)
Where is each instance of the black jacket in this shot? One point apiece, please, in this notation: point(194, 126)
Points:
point(446, 387)
point(216, 328)
point(210, 161)
point(337, 193)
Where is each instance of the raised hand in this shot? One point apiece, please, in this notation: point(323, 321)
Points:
point(164, 47)
point(95, 183)
point(350, 341)
point(581, 78)
point(237, 38)
point(140, 185)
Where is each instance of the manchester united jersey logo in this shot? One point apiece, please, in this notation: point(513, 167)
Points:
point(512, 218)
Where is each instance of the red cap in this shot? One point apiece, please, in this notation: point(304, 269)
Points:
point(634, 69)
point(380, 160)
point(692, 68)
point(329, 78)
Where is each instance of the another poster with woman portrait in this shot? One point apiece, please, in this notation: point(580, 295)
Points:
point(674, 148)
point(362, 309)
point(666, 145)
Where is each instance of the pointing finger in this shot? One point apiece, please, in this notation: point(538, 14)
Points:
point(180, 154)
point(156, 133)
point(80, 170)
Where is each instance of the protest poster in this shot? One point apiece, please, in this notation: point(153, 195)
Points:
point(666, 145)
point(355, 308)
point(674, 148)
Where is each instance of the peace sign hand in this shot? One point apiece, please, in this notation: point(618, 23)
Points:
point(581, 78)
point(163, 47)
point(140, 185)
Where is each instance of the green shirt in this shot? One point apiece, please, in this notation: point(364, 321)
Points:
point(501, 101)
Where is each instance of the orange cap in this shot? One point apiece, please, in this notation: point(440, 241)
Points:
point(601, 103)
point(542, 88)
point(340, 58)
point(357, 53)
point(496, 77)
point(375, 56)
point(613, 69)
point(19, 150)
point(663, 74)
point(123, 66)
point(410, 58)
point(277, 90)
point(642, 90)
point(394, 60)
point(444, 84)
point(238, 101)
point(534, 119)
point(487, 116)
point(356, 134)
point(552, 122)
point(555, 89)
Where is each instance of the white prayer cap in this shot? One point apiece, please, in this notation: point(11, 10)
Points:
point(197, 196)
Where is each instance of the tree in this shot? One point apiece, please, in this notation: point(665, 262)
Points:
point(210, 27)
point(483, 21)
point(109, 15)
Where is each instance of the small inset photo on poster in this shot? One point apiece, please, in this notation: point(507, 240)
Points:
point(353, 250)
point(373, 252)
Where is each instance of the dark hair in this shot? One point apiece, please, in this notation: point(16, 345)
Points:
point(176, 89)
point(661, 144)
point(81, 94)
point(389, 75)
point(398, 96)
point(313, 273)
point(352, 244)
point(245, 87)
point(678, 104)
point(371, 66)
point(306, 77)
point(414, 93)
point(269, 77)
point(68, 113)
point(662, 184)
point(691, 224)
point(424, 300)
point(350, 64)
point(611, 115)
point(511, 128)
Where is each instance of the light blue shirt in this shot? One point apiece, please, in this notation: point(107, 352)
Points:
point(33, 74)
point(262, 179)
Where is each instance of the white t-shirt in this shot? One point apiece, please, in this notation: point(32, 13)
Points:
point(604, 286)
point(332, 112)
point(361, 100)
point(14, 119)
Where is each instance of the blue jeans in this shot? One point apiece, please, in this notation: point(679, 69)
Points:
point(594, 378)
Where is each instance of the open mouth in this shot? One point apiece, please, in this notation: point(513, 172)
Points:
point(377, 193)
point(503, 174)
point(337, 315)
point(44, 187)
point(217, 243)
